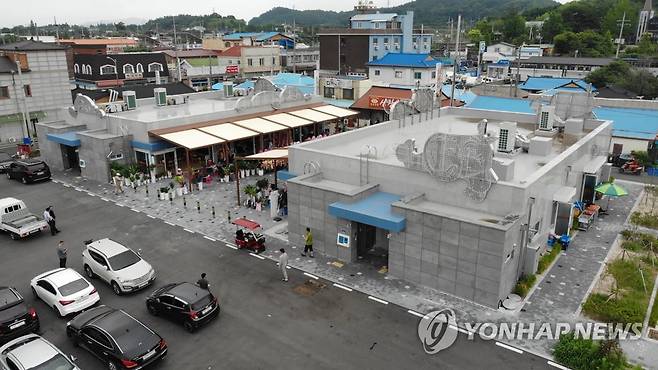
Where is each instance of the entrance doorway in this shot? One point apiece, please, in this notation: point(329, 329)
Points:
point(70, 157)
point(371, 245)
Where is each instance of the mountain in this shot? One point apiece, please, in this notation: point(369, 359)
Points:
point(428, 12)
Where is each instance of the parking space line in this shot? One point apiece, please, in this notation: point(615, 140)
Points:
point(209, 238)
point(189, 231)
point(231, 246)
point(551, 363)
point(66, 185)
point(134, 210)
point(119, 204)
point(169, 223)
point(149, 216)
point(513, 349)
point(417, 314)
point(377, 299)
point(257, 256)
point(105, 199)
point(342, 287)
point(311, 276)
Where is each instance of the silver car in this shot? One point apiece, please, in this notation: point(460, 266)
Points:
point(34, 352)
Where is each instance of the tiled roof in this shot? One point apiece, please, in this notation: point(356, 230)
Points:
point(552, 83)
point(113, 41)
point(406, 60)
point(259, 36)
point(196, 53)
point(31, 45)
point(141, 91)
point(234, 51)
point(568, 61)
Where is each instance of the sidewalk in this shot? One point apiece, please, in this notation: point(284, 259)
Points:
point(556, 298)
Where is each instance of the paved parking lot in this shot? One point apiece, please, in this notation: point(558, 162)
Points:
point(264, 322)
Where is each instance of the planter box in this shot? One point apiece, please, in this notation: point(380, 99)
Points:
point(164, 196)
point(261, 172)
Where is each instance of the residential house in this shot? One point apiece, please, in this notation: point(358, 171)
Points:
point(101, 96)
point(99, 46)
point(224, 42)
point(551, 85)
point(41, 87)
point(250, 61)
point(101, 71)
point(300, 60)
point(566, 67)
point(405, 70)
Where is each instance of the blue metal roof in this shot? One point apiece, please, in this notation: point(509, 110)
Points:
point(259, 36)
point(284, 175)
point(152, 146)
point(341, 103)
point(464, 95)
point(66, 138)
point(550, 83)
point(501, 104)
point(407, 60)
point(305, 83)
point(375, 210)
point(630, 122)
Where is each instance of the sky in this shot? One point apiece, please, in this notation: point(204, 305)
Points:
point(85, 12)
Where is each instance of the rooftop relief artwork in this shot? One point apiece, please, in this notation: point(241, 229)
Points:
point(84, 104)
point(449, 157)
point(271, 97)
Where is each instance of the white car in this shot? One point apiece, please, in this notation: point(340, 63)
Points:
point(65, 291)
point(33, 352)
point(117, 265)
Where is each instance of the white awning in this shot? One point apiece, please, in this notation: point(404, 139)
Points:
point(288, 120)
point(336, 111)
point(564, 194)
point(260, 125)
point(594, 165)
point(270, 154)
point(313, 115)
point(229, 131)
point(192, 139)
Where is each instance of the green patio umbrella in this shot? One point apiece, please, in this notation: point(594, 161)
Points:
point(611, 190)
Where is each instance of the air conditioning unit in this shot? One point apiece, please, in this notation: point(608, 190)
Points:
point(160, 95)
point(506, 137)
point(130, 99)
point(546, 118)
point(228, 89)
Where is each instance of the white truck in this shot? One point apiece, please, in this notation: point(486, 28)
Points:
point(17, 220)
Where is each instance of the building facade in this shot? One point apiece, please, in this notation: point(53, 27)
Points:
point(99, 46)
point(300, 60)
point(41, 88)
point(101, 71)
point(405, 70)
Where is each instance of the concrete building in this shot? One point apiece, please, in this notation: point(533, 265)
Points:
point(447, 200)
point(102, 71)
point(371, 36)
point(250, 61)
point(300, 59)
point(41, 88)
point(99, 46)
point(405, 70)
point(566, 67)
point(643, 21)
point(171, 132)
point(224, 42)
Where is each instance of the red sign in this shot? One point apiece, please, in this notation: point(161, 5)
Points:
point(381, 102)
point(234, 69)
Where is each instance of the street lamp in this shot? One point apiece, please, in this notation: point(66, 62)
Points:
point(116, 71)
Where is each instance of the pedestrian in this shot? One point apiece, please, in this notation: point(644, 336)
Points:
point(283, 264)
point(203, 283)
point(61, 253)
point(51, 212)
point(118, 183)
point(46, 217)
point(308, 243)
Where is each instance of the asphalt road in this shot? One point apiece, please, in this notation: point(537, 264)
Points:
point(264, 323)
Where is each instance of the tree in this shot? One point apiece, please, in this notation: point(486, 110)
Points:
point(646, 46)
point(513, 26)
point(583, 15)
point(475, 36)
point(641, 81)
point(566, 43)
point(611, 19)
point(608, 75)
point(594, 44)
point(553, 26)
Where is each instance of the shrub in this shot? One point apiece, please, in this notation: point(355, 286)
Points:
point(548, 258)
point(645, 219)
point(524, 284)
point(578, 353)
point(625, 309)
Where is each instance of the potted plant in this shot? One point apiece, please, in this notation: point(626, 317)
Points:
point(230, 170)
point(164, 191)
point(261, 171)
point(251, 191)
point(262, 183)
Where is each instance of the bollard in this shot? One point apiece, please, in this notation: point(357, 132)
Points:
point(147, 190)
point(184, 202)
point(171, 198)
point(213, 211)
point(229, 215)
point(198, 206)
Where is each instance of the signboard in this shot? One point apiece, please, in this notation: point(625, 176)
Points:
point(483, 46)
point(381, 102)
point(337, 82)
point(343, 240)
point(233, 69)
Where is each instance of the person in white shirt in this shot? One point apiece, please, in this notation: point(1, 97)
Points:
point(283, 264)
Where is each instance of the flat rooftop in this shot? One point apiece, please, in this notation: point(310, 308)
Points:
point(147, 111)
point(385, 137)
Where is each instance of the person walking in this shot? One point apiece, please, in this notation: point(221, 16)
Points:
point(308, 243)
point(203, 283)
point(283, 264)
point(51, 212)
point(61, 253)
point(118, 183)
point(47, 218)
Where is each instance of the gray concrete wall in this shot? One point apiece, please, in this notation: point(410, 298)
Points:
point(94, 152)
point(626, 103)
point(51, 151)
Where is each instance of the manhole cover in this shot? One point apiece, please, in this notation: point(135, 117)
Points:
point(309, 288)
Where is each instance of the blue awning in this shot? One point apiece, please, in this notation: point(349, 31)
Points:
point(375, 210)
point(66, 138)
point(152, 146)
point(284, 175)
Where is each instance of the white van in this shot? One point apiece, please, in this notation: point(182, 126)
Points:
point(17, 220)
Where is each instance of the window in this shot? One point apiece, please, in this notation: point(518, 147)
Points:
point(418, 75)
point(4, 92)
point(329, 92)
point(375, 40)
point(348, 94)
point(424, 39)
point(250, 62)
point(227, 44)
point(230, 62)
point(377, 72)
point(140, 68)
point(28, 90)
point(98, 258)
point(86, 69)
point(165, 299)
point(396, 40)
point(108, 70)
point(398, 74)
point(273, 61)
point(178, 303)
point(97, 337)
point(46, 286)
point(76, 68)
point(261, 61)
point(433, 74)
point(155, 67)
point(385, 40)
point(128, 68)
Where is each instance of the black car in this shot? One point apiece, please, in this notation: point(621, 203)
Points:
point(16, 318)
point(184, 302)
point(5, 161)
point(116, 338)
point(28, 170)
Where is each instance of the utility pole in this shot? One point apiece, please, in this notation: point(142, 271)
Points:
point(621, 23)
point(26, 109)
point(176, 50)
point(518, 71)
point(454, 66)
point(294, 46)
